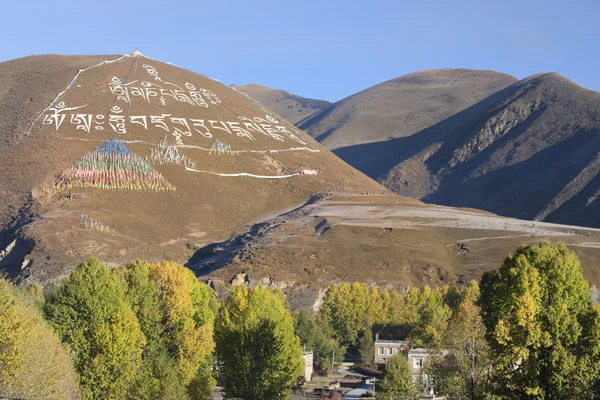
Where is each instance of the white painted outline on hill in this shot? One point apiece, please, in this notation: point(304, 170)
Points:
point(134, 54)
point(186, 146)
point(244, 174)
point(72, 82)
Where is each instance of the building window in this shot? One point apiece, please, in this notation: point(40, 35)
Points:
point(389, 351)
point(395, 350)
point(380, 350)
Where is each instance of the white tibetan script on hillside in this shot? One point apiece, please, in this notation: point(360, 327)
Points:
point(159, 92)
point(147, 90)
point(61, 116)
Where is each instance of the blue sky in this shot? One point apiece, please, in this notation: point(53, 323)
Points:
point(320, 49)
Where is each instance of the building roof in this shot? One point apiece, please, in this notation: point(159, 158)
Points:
point(418, 351)
point(398, 342)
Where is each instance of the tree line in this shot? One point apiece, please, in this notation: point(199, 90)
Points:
point(529, 330)
point(144, 331)
point(153, 331)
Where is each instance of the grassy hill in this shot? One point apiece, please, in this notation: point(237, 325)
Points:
point(402, 106)
point(527, 150)
point(197, 161)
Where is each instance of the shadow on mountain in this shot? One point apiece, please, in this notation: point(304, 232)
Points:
point(525, 152)
point(523, 189)
point(581, 209)
point(319, 116)
point(377, 159)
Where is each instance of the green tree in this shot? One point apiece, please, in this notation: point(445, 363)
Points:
point(461, 368)
point(306, 328)
point(315, 334)
point(397, 382)
point(141, 292)
point(366, 347)
point(452, 297)
point(542, 328)
point(176, 315)
point(33, 362)
point(329, 353)
point(158, 377)
point(259, 354)
point(89, 313)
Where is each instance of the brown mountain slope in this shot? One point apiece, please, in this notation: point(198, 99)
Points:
point(402, 106)
point(291, 107)
point(193, 160)
point(379, 239)
point(530, 151)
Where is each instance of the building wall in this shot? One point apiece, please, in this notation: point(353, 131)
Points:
point(307, 358)
point(417, 359)
point(385, 350)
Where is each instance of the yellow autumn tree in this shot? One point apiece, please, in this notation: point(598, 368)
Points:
point(187, 320)
point(259, 355)
point(352, 308)
point(349, 309)
point(433, 318)
point(33, 362)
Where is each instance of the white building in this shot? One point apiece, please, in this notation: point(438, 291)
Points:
point(307, 359)
point(386, 349)
point(417, 359)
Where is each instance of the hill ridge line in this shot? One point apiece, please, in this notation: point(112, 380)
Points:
point(73, 80)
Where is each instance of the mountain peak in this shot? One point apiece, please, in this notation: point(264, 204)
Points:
point(402, 106)
point(252, 86)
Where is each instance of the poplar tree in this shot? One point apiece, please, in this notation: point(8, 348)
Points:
point(542, 328)
point(259, 355)
point(89, 313)
point(175, 312)
point(352, 308)
point(315, 335)
point(461, 367)
point(187, 321)
point(33, 362)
